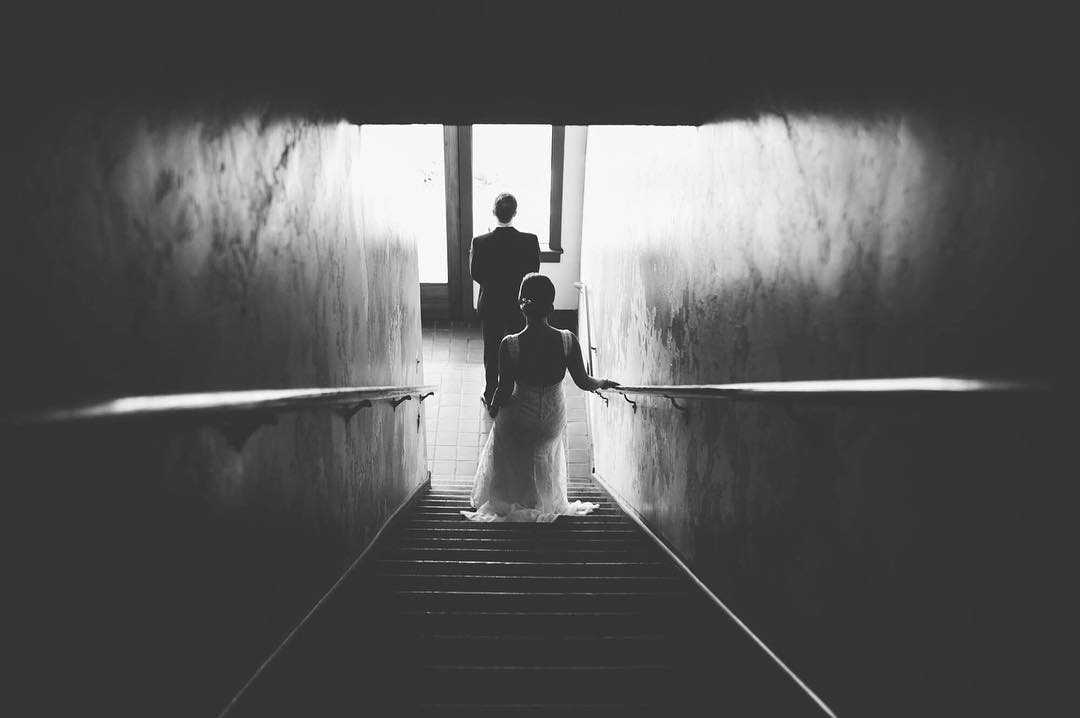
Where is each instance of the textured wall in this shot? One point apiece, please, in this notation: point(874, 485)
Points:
point(899, 558)
point(160, 565)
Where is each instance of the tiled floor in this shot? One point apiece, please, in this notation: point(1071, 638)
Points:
point(457, 423)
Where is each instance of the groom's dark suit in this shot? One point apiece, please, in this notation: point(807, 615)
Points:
point(499, 260)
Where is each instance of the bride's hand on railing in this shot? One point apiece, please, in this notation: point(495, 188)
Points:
point(493, 408)
point(607, 384)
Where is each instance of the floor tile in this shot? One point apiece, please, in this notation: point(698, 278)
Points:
point(444, 438)
point(457, 425)
point(576, 427)
point(445, 452)
point(468, 438)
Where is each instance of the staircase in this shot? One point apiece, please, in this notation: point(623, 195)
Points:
point(584, 616)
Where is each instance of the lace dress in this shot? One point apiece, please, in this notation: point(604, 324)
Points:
point(521, 473)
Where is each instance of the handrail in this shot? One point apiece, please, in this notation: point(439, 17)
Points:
point(843, 390)
point(217, 403)
point(583, 290)
point(839, 390)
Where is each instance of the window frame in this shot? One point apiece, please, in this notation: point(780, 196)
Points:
point(454, 300)
point(553, 251)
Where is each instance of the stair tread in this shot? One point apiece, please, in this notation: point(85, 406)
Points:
point(511, 538)
point(504, 612)
point(618, 527)
point(565, 668)
point(652, 637)
point(594, 518)
point(586, 603)
point(428, 560)
point(513, 550)
point(538, 593)
point(527, 577)
point(553, 541)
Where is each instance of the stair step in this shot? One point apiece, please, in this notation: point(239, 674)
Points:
point(455, 515)
point(466, 493)
point(523, 553)
point(581, 616)
point(627, 622)
point(454, 505)
point(424, 511)
point(564, 600)
point(520, 582)
point(618, 519)
point(467, 485)
point(457, 492)
point(463, 502)
point(538, 541)
point(547, 650)
point(531, 568)
point(476, 528)
point(578, 521)
point(590, 709)
point(648, 683)
point(602, 508)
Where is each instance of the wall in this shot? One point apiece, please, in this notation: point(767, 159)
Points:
point(155, 567)
point(905, 559)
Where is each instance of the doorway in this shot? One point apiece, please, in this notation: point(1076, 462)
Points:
point(478, 163)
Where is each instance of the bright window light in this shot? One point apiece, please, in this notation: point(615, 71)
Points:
point(409, 179)
point(514, 159)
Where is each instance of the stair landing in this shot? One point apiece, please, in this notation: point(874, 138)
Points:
point(456, 423)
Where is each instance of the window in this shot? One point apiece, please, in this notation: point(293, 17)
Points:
point(478, 163)
point(405, 164)
point(522, 160)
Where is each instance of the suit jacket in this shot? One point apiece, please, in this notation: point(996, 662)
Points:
point(499, 260)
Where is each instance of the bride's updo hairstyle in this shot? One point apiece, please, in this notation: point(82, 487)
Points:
point(537, 296)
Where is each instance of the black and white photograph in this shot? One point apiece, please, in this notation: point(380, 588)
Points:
point(504, 358)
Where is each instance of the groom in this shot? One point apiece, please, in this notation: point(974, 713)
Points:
point(499, 261)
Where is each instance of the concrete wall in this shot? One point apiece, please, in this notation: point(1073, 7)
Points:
point(907, 559)
point(155, 567)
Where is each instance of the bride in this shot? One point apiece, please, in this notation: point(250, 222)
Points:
point(521, 473)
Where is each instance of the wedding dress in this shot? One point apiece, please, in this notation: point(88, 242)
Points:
point(521, 473)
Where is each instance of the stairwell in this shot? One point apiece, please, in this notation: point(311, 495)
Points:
point(583, 616)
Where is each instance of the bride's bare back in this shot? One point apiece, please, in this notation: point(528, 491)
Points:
point(542, 360)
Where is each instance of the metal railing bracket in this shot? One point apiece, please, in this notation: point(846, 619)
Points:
point(682, 409)
point(347, 411)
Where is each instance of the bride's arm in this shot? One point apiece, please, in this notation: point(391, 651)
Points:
point(576, 366)
point(505, 389)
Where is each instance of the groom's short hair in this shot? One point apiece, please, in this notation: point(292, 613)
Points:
point(505, 207)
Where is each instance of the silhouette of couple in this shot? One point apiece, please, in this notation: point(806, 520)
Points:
point(521, 474)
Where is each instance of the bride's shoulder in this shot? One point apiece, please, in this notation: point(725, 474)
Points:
point(568, 339)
